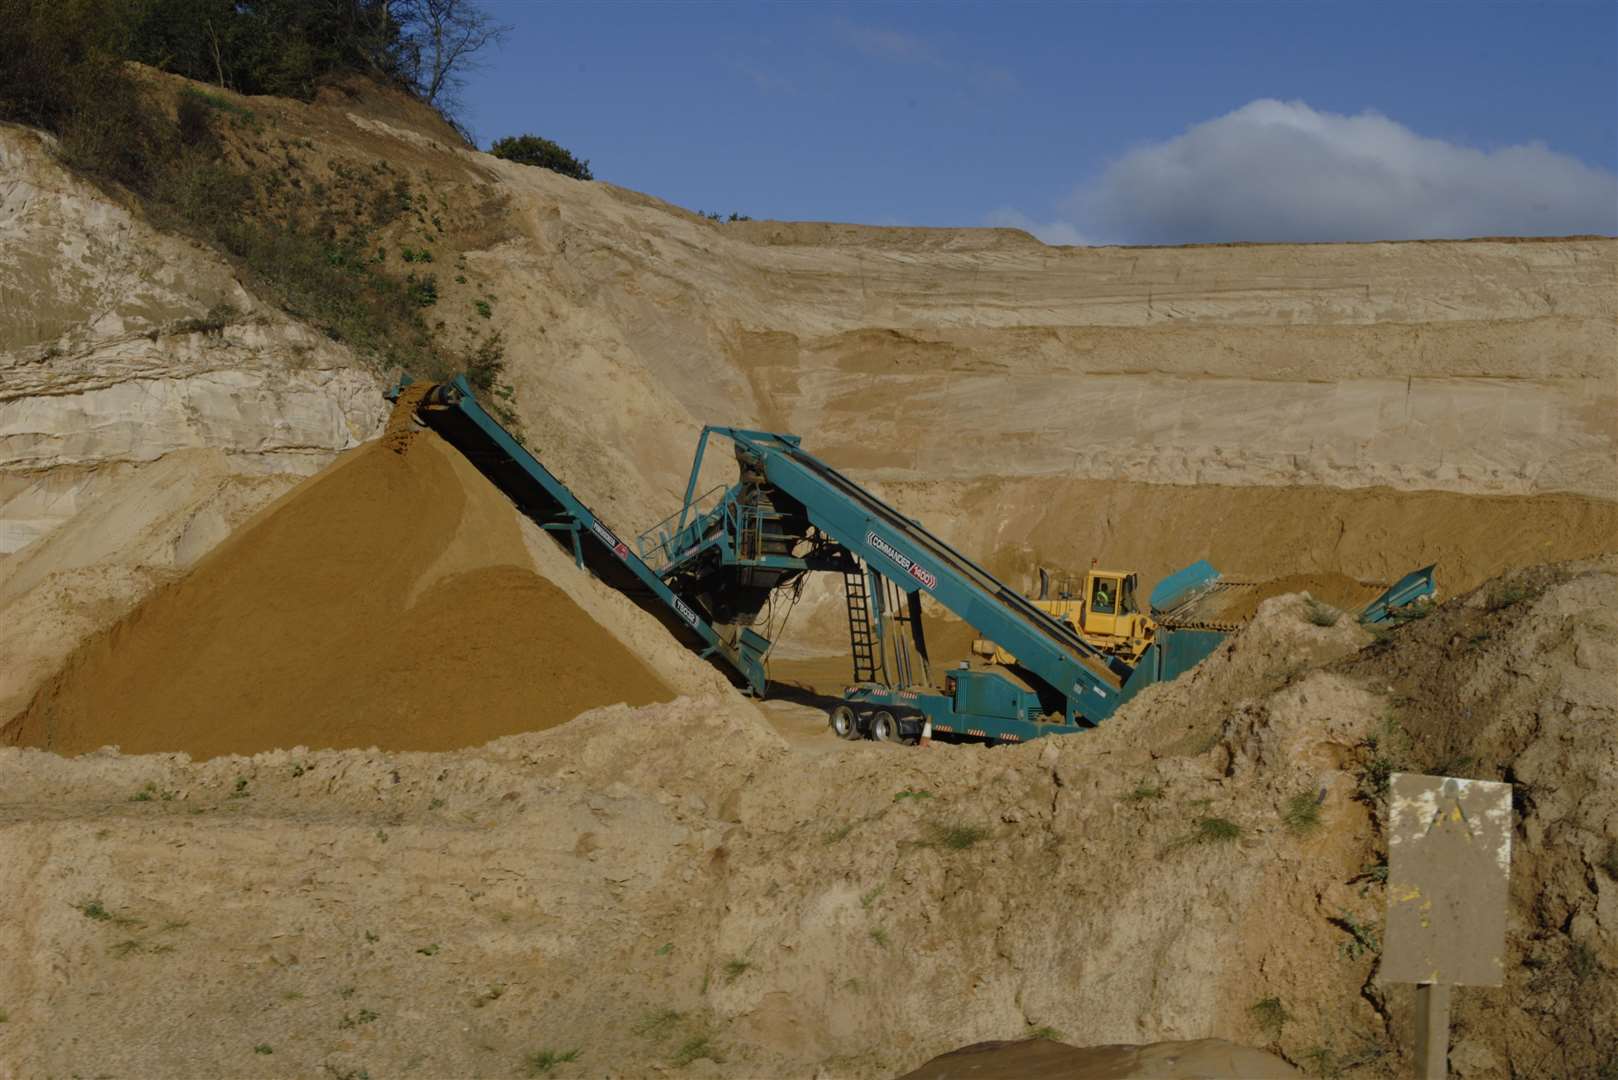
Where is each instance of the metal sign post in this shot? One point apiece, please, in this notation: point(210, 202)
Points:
point(1449, 864)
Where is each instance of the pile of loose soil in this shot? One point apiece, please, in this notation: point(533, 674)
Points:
point(1046, 1059)
point(1184, 716)
point(388, 601)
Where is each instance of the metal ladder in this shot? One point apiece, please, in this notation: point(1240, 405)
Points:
point(749, 544)
point(862, 642)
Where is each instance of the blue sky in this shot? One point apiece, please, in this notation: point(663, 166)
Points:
point(1090, 122)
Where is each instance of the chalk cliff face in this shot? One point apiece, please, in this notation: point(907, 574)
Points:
point(148, 404)
point(121, 345)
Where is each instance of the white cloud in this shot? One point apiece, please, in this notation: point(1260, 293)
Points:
point(1051, 232)
point(896, 47)
point(766, 82)
point(1280, 170)
point(883, 44)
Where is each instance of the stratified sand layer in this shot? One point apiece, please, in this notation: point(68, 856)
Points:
point(387, 602)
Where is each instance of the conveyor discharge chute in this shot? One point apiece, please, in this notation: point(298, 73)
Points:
point(452, 410)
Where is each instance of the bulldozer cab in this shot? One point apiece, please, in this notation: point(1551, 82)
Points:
point(1100, 607)
point(1109, 603)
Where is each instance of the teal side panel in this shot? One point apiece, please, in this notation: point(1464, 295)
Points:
point(1185, 649)
point(1181, 585)
point(1407, 590)
point(1173, 654)
point(1144, 675)
point(986, 693)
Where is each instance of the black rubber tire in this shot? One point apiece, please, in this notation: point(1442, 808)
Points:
point(844, 724)
point(884, 728)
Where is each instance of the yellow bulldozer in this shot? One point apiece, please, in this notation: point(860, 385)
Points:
point(1101, 608)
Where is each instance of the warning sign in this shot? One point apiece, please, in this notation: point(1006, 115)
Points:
point(1449, 863)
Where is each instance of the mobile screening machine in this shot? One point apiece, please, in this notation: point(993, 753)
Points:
point(714, 570)
point(732, 549)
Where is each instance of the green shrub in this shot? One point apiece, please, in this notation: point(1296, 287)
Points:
point(541, 153)
point(423, 291)
point(193, 117)
point(1216, 830)
point(1375, 776)
point(1582, 961)
point(1362, 937)
point(694, 1048)
point(545, 1060)
point(486, 367)
point(1270, 1016)
point(93, 909)
point(658, 1025)
point(1509, 594)
point(955, 835)
point(1302, 813)
point(837, 835)
point(1321, 614)
point(63, 72)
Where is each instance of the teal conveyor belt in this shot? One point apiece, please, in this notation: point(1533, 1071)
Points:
point(453, 412)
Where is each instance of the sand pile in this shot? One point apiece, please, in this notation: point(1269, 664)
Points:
point(1047, 1059)
point(1185, 715)
point(389, 601)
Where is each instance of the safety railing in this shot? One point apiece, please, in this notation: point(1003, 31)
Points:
point(668, 541)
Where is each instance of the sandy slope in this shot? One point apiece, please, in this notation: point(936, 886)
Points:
point(678, 883)
point(1480, 367)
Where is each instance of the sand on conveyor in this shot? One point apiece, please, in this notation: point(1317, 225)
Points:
point(1343, 593)
point(388, 601)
